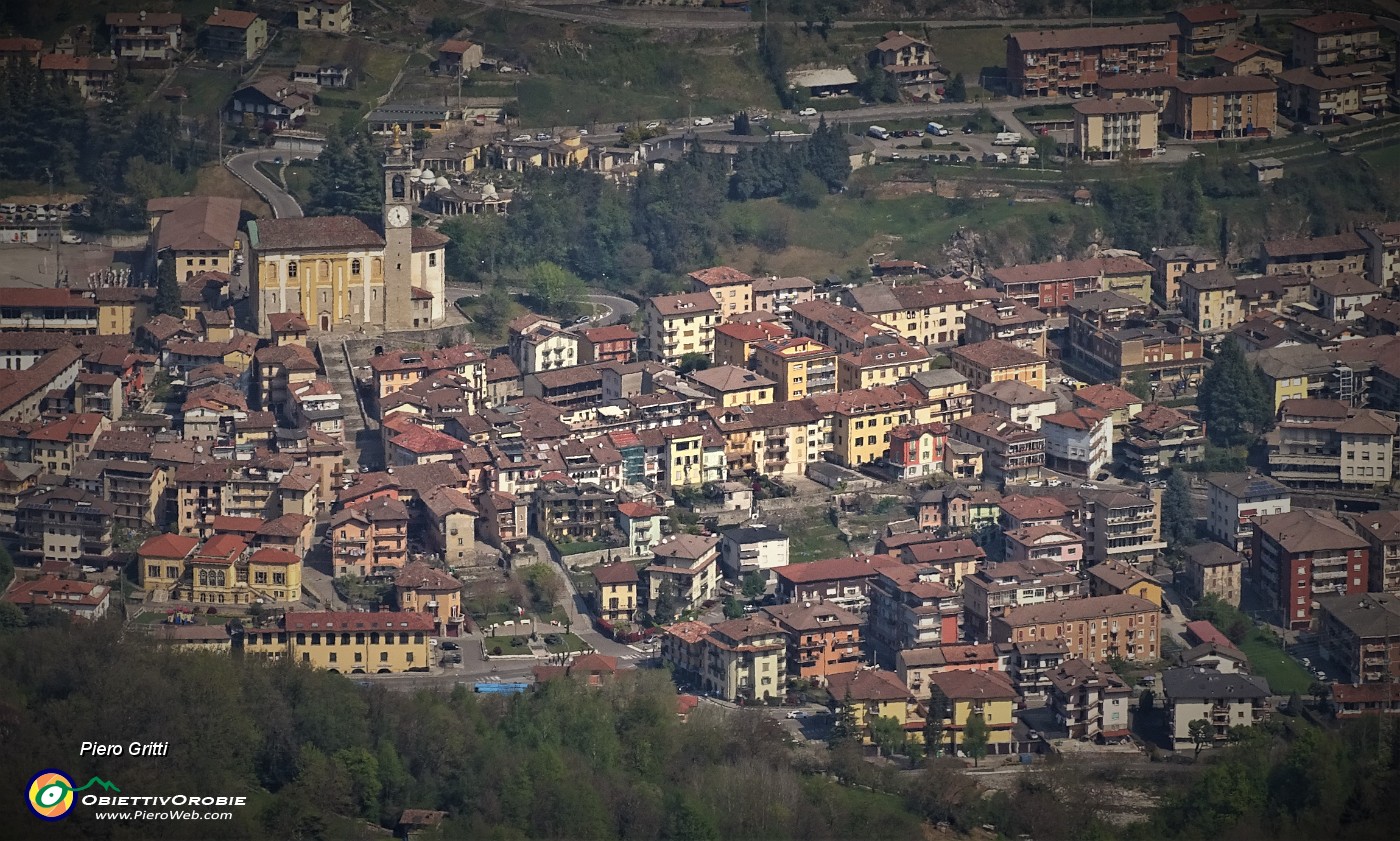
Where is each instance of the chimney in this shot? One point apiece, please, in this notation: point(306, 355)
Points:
point(141, 15)
point(216, 11)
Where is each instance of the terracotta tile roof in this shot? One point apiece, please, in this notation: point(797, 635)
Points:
point(1107, 396)
point(1070, 269)
point(720, 276)
point(615, 574)
point(727, 378)
point(867, 685)
point(961, 685)
point(1335, 22)
point(689, 632)
point(417, 575)
point(1308, 530)
point(752, 333)
point(312, 233)
point(77, 63)
point(168, 546)
point(1080, 419)
point(1347, 242)
point(1023, 508)
point(231, 18)
point(52, 591)
point(288, 322)
point(1050, 39)
point(1226, 84)
point(1219, 13)
point(1094, 607)
point(835, 569)
point(638, 510)
point(685, 303)
point(383, 620)
point(994, 353)
point(1238, 51)
point(273, 555)
point(1126, 105)
point(455, 46)
point(144, 18)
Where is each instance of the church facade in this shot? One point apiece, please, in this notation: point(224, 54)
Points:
point(341, 275)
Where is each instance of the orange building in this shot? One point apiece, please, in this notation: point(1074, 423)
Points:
point(823, 639)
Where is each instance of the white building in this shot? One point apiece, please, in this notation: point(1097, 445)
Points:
point(752, 549)
point(1021, 402)
point(1078, 442)
point(1233, 500)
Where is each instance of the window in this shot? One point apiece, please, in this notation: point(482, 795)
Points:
point(432, 258)
point(153, 571)
point(354, 267)
point(292, 269)
point(332, 657)
point(383, 656)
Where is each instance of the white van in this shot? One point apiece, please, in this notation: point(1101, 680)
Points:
point(704, 121)
point(878, 133)
point(936, 129)
point(1007, 138)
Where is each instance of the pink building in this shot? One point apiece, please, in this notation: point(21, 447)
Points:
point(1046, 542)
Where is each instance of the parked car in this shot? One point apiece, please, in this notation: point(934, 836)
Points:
point(797, 714)
point(809, 111)
point(704, 121)
point(653, 125)
point(450, 646)
point(544, 135)
point(520, 138)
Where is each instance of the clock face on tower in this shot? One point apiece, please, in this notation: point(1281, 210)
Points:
point(398, 216)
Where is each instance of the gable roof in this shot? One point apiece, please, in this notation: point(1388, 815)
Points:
point(312, 233)
point(868, 685)
point(1192, 683)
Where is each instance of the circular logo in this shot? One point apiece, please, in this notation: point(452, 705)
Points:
point(51, 795)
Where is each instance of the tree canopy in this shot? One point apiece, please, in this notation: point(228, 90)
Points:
point(1234, 401)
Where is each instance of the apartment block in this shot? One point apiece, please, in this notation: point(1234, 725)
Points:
point(1078, 442)
point(1204, 29)
point(1090, 701)
point(1382, 531)
point(800, 367)
point(989, 592)
point(681, 325)
point(1313, 256)
point(1335, 38)
point(1125, 527)
point(1305, 554)
point(1064, 61)
point(1009, 321)
point(731, 288)
point(1112, 339)
point(1052, 287)
point(1233, 500)
point(145, 36)
point(1211, 569)
point(1224, 107)
point(1014, 453)
point(1092, 629)
point(1362, 635)
point(1114, 129)
point(910, 608)
point(1171, 263)
point(996, 361)
point(1209, 302)
point(1326, 443)
point(823, 639)
point(932, 314)
point(1161, 439)
point(386, 642)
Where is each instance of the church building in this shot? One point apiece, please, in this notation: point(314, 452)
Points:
point(343, 276)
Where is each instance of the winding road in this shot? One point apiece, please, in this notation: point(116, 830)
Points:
point(244, 167)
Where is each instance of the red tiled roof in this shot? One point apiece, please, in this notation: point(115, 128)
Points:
point(273, 555)
point(832, 569)
point(167, 546)
point(383, 620)
point(231, 18)
point(313, 233)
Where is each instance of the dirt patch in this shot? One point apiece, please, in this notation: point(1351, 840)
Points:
point(215, 180)
point(898, 189)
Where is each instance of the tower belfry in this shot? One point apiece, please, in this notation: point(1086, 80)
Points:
point(398, 236)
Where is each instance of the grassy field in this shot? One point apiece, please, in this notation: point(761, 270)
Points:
point(208, 89)
point(814, 540)
point(1284, 674)
point(214, 180)
point(971, 52)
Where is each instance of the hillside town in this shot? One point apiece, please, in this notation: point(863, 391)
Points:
point(1117, 502)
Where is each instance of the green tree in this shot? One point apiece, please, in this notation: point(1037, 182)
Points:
point(887, 734)
point(692, 362)
point(956, 91)
point(742, 124)
point(1140, 386)
point(1201, 733)
point(934, 722)
point(1147, 700)
point(168, 289)
point(1178, 516)
point(663, 609)
point(554, 289)
point(733, 608)
point(11, 617)
point(974, 738)
point(753, 585)
point(844, 729)
point(1232, 398)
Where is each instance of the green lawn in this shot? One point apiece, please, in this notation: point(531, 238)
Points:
point(814, 540)
point(569, 643)
point(970, 51)
point(208, 89)
point(1284, 674)
point(508, 644)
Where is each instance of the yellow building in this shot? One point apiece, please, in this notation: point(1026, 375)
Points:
point(930, 314)
point(1209, 301)
point(681, 325)
point(1113, 578)
point(223, 571)
point(331, 270)
point(349, 643)
point(995, 361)
point(861, 421)
point(800, 367)
point(882, 364)
point(420, 588)
point(616, 597)
point(1114, 129)
point(732, 386)
point(731, 288)
point(746, 658)
point(958, 696)
point(200, 233)
point(162, 561)
point(121, 309)
point(865, 695)
point(735, 342)
point(325, 15)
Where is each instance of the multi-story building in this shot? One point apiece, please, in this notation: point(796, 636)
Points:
point(910, 608)
point(1014, 453)
point(1335, 254)
point(917, 450)
point(232, 35)
point(1326, 443)
point(685, 569)
point(1125, 527)
point(1384, 262)
point(735, 341)
point(1224, 107)
point(614, 343)
point(731, 289)
point(1362, 635)
point(48, 309)
point(1170, 263)
point(1342, 297)
point(989, 592)
point(540, 344)
point(1053, 543)
point(865, 695)
point(370, 537)
point(1233, 500)
point(1306, 553)
point(1335, 38)
point(1010, 321)
point(1206, 28)
point(1113, 578)
point(92, 75)
point(1022, 403)
point(842, 329)
point(800, 367)
point(1211, 569)
point(1078, 442)
point(1114, 129)
point(730, 386)
point(823, 639)
point(681, 325)
point(65, 524)
point(1089, 701)
point(1224, 700)
point(348, 643)
point(930, 314)
point(1382, 531)
point(1064, 61)
point(1209, 302)
point(1031, 664)
point(325, 15)
point(1296, 371)
point(1242, 58)
point(842, 581)
point(881, 364)
point(778, 294)
point(916, 665)
point(1111, 339)
point(861, 422)
point(1052, 287)
point(746, 659)
point(616, 597)
point(906, 59)
point(82, 599)
point(1160, 439)
point(952, 560)
point(1120, 404)
point(1094, 629)
point(956, 697)
point(748, 549)
point(995, 361)
point(145, 36)
point(944, 395)
point(199, 233)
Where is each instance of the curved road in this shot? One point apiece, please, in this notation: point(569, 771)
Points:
point(612, 308)
point(244, 167)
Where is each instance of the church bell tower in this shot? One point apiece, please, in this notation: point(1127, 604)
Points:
point(398, 236)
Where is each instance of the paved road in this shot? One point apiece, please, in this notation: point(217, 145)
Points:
point(611, 308)
point(244, 165)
